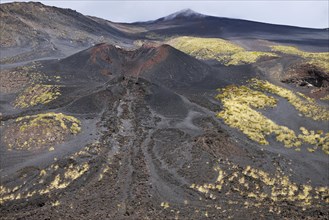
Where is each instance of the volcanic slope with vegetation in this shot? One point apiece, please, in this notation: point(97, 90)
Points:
point(224, 51)
point(185, 117)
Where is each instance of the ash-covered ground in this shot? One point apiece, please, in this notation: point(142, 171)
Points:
point(139, 132)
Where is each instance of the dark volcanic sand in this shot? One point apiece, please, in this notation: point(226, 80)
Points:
point(149, 132)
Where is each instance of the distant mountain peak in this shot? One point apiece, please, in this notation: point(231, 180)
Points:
point(185, 13)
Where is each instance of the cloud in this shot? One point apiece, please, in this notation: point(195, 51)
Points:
point(302, 13)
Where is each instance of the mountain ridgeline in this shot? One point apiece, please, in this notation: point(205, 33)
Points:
point(33, 30)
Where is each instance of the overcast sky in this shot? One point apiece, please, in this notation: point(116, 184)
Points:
point(314, 13)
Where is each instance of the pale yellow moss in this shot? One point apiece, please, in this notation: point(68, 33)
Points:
point(325, 98)
point(264, 186)
point(308, 107)
point(318, 59)
point(37, 94)
point(42, 173)
point(73, 173)
point(211, 186)
point(56, 203)
point(204, 48)
point(62, 119)
point(316, 139)
point(247, 57)
point(222, 50)
point(105, 169)
point(60, 181)
point(287, 49)
point(240, 111)
point(75, 128)
point(165, 205)
point(48, 129)
point(309, 99)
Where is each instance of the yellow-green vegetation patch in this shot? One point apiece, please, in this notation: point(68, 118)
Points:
point(55, 177)
point(165, 205)
point(240, 111)
point(59, 179)
point(37, 94)
point(306, 106)
point(246, 57)
point(224, 51)
point(325, 98)
point(204, 48)
point(259, 186)
point(320, 59)
point(40, 131)
point(315, 138)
